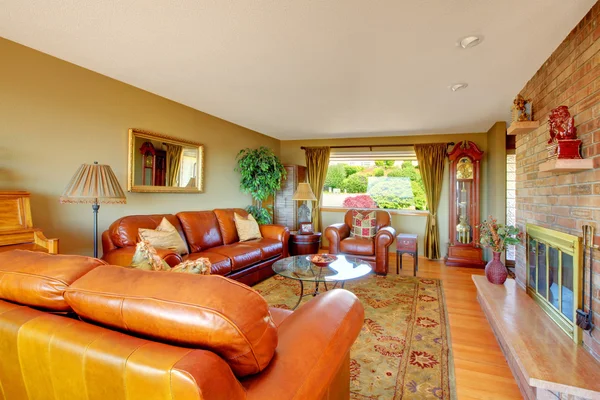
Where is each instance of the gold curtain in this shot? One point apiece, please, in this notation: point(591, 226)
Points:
point(174, 156)
point(317, 162)
point(432, 160)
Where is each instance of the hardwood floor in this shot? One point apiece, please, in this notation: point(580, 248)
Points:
point(481, 369)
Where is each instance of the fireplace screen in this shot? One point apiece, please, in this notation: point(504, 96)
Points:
point(554, 273)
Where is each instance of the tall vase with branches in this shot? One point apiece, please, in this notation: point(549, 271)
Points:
point(497, 236)
point(262, 173)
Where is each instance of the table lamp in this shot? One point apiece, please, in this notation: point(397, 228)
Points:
point(94, 184)
point(304, 192)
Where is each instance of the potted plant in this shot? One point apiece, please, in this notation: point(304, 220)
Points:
point(262, 173)
point(496, 236)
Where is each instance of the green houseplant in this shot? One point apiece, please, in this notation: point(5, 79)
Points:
point(262, 173)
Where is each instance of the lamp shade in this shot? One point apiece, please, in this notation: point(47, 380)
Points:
point(93, 183)
point(304, 192)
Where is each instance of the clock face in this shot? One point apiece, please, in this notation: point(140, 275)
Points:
point(464, 169)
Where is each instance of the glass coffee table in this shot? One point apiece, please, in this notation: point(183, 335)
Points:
point(338, 272)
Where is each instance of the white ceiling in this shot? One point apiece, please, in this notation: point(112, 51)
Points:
point(295, 69)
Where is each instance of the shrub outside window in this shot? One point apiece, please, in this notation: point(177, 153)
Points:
point(385, 184)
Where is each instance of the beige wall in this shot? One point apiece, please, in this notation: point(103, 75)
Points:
point(496, 172)
point(55, 116)
point(292, 154)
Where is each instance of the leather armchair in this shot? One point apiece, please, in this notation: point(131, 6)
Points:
point(374, 250)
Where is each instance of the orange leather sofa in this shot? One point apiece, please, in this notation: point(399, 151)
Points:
point(210, 234)
point(374, 250)
point(72, 327)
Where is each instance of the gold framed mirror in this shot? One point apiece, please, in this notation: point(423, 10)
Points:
point(164, 164)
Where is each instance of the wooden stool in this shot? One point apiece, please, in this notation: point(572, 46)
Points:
point(407, 243)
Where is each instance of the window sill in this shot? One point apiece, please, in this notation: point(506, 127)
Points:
point(417, 213)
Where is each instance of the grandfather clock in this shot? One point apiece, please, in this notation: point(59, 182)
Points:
point(465, 163)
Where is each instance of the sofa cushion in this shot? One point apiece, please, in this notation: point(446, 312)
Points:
point(203, 312)
point(268, 247)
point(124, 231)
point(201, 229)
point(240, 255)
point(39, 279)
point(221, 265)
point(227, 224)
point(357, 245)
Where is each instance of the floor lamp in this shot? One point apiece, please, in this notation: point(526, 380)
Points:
point(94, 184)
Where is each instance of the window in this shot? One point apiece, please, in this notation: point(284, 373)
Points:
point(392, 182)
point(511, 204)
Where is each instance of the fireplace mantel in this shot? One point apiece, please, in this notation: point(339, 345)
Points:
point(544, 361)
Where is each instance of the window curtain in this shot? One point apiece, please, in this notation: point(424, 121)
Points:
point(317, 162)
point(432, 160)
point(174, 156)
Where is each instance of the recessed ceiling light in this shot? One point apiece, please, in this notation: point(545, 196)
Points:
point(458, 86)
point(470, 41)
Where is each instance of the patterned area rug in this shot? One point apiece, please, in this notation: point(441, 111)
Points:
point(403, 351)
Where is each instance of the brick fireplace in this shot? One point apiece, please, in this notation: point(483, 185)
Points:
point(564, 201)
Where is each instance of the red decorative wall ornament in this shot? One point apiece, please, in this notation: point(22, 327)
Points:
point(563, 142)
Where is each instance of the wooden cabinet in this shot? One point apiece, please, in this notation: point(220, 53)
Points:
point(16, 226)
point(286, 209)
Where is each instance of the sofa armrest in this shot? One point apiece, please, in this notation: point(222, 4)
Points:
point(122, 256)
point(107, 243)
point(385, 237)
point(335, 234)
point(205, 375)
point(277, 232)
point(383, 240)
point(326, 327)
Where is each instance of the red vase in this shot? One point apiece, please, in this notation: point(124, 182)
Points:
point(495, 271)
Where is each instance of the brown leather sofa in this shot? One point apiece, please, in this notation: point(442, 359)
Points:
point(374, 250)
point(72, 327)
point(210, 234)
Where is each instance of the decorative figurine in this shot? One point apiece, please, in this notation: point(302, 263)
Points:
point(522, 109)
point(563, 142)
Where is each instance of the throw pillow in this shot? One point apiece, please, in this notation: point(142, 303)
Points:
point(165, 236)
point(199, 266)
point(146, 258)
point(247, 228)
point(363, 225)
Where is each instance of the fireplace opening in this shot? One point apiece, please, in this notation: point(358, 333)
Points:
point(554, 275)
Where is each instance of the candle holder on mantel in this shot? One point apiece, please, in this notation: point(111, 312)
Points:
point(563, 145)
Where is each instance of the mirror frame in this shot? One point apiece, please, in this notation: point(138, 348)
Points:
point(131, 187)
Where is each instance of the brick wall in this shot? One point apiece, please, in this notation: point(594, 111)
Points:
point(565, 201)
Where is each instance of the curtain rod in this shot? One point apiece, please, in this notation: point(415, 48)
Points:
point(358, 146)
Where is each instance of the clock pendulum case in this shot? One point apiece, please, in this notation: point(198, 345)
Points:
point(465, 163)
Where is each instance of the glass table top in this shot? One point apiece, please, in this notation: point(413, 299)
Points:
point(300, 268)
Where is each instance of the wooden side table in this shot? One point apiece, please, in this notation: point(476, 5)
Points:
point(307, 243)
point(407, 243)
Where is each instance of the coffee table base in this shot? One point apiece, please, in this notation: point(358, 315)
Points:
point(316, 291)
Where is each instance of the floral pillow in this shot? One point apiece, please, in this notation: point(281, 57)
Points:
point(146, 258)
point(363, 225)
